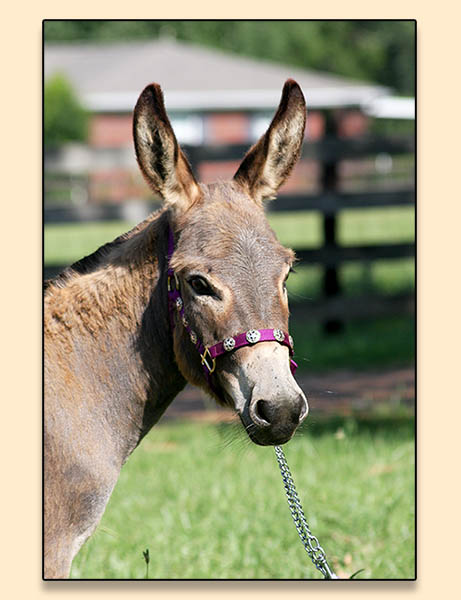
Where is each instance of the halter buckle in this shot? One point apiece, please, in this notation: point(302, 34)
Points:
point(176, 282)
point(205, 360)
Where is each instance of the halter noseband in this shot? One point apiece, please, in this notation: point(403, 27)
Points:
point(209, 355)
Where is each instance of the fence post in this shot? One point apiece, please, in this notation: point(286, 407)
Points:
point(329, 178)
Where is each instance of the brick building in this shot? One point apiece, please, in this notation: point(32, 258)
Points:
point(211, 97)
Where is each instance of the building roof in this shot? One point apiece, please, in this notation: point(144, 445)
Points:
point(110, 76)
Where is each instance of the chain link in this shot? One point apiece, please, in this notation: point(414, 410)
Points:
point(311, 544)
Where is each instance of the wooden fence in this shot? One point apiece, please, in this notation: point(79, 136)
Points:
point(329, 201)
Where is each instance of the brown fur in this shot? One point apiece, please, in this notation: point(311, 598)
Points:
point(112, 364)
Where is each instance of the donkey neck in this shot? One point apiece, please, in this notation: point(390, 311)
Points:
point(109, 314)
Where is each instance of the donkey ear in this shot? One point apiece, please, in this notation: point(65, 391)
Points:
point(269, 162)
point(159, 156)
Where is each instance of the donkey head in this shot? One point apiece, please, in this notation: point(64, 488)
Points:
point(230, 267)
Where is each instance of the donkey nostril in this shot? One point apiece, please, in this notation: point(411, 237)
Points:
point(265, 413)
point(304, 409)
point(262, 411)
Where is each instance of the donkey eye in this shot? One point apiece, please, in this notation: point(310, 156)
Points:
point(200, 286)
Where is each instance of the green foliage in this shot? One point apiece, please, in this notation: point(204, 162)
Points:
point(376, 50)
point(65, 119)
point(210, 504)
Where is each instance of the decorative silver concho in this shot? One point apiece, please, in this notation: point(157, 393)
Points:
point(229, 344)
point(185, 322)
point(179, 303)
point(193, 337)
point(253, 336)
point(279, 335)
point(290, 339)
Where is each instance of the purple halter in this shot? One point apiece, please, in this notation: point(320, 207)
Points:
point(209, 355)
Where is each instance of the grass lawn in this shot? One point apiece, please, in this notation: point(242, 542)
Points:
point(208, 503)
point(66, 243)
point(366, 226)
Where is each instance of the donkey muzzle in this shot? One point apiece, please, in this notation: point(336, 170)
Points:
point(274, 420)
point(259, 383)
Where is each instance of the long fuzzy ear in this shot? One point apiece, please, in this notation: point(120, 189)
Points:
point(269, 162)
point(160, 158)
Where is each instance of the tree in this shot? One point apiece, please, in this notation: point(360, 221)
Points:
point(65, 119)
point(379, 51)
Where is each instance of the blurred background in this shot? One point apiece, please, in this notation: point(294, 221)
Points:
point(347, 210)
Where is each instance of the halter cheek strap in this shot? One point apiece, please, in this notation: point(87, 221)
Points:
point(209, 355)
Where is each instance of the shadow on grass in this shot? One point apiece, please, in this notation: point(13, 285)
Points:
point(363, 343)
point(395, 426)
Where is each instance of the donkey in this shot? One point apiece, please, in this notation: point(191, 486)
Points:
point(195, 293)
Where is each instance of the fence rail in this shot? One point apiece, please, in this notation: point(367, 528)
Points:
point(329, 149)
point(343, 307)
point(333, 202)
point(338, 254)
point(77, 158)
point(98, 212)
point(327, 203)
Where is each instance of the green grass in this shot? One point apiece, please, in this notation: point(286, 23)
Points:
point(207, 503)
point(376, 226)
point(366, 226)
point(68, 242)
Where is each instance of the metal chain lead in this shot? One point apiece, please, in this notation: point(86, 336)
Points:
point(311, 544)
